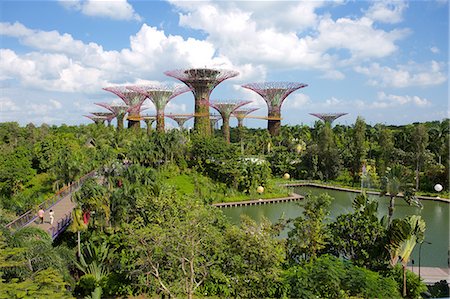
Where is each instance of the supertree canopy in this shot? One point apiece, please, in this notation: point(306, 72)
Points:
point(149, 119)
point(118, 110)
point(133, 99)
point(274, 93)
point(108, 116)
point(328, 117)
point(240, 114)
point(160, 95)
point(180, 119)
point(225, 108)
point(96, 119)
point(202, 81)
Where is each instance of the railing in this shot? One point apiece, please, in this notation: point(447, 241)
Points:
point(60, 226)
point(30, 215)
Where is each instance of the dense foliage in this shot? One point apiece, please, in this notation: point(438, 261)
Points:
point(151, 229)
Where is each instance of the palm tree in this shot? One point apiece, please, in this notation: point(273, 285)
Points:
point(403, 235)
point(393, 184)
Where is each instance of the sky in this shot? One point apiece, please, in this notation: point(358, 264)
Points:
point(386, 61)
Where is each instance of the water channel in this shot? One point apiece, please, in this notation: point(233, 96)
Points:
point(435, 214)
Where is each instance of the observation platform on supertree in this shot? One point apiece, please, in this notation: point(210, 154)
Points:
point(96, 119)
point(274, 93)
point(242, 113)
point(328, 117)
point(118, 110)
point(132, 98)
point(202, 81)
point(160, 94)
point(180, 119)
point(225, 108)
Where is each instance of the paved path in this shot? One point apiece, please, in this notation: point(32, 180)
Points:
point(61, 208)
point(430, 275)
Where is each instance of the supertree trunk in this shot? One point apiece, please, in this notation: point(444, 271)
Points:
point(226, 128)
point(160, 122)
point(120, 122)
point(274, 125)
point(202, 122)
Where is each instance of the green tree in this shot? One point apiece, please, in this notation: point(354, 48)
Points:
point(252, 259)
point(395, 183)
point(359, 236)
point(179, 254)
point(420, 143)
point(308, 236)
point(358, 147)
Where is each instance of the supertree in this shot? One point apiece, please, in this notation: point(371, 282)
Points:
point(180, 119)
point(214, 119)
point(202, 81)
point(118, 110)
point(160, 95)
point(133, 99)
point(109, 116)
point(96, 119)
point(149, 119)
point(225, 108)
point(274, 93)
point(328, 117)
point(240, 114)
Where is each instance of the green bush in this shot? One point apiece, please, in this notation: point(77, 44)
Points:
point(414, 285)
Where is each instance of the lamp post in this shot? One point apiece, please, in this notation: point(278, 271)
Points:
point(420, 251)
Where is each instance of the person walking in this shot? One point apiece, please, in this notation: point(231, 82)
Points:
point(41, 215)
point(52, 216)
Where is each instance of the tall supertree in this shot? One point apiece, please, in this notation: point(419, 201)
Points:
point(240, 114)
point(118, 110)
point(328, 117)
point(98, 120)
point(225, 108)
point(274, 93)
point(181, 119)
point(160, 95)
point(133, 99)
point(149, 120)
point(214, 119)
point(109, 116)
point(202, 81)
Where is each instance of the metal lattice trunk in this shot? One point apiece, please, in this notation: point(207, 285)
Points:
point(118, 110)
point(241, 114)
point(202, 81)
point(180, 119)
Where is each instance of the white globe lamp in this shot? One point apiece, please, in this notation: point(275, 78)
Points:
point(286, 176)
point(260, 189)
point(438, 187)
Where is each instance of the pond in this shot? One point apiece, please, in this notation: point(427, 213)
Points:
point(435, 214)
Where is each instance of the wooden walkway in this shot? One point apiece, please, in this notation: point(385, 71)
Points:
point(293, 197)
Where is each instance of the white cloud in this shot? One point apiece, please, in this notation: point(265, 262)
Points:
point(434, 50)
point(333, 75)
point(7, 105)
point(387, 11)
point(114, 9)
point(389, 100)
point(404, 75)
point(275, 46)
point(56, 104)
point(297, 100)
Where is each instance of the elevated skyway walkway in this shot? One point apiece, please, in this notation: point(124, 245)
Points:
point(61, 204)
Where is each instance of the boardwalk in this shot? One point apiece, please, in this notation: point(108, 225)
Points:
point(63, 210)
point(60, 203)
point(293, 197)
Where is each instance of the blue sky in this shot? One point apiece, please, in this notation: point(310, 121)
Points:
point(386, 61)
